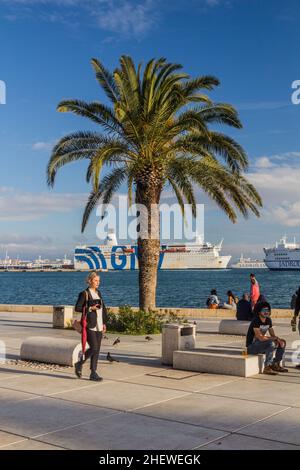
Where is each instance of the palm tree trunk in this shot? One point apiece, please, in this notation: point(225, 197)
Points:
point(148, 264)
point(148, 244)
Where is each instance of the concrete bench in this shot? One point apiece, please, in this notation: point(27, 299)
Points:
point(218, 362)
point(50, 350)
point(233, 327)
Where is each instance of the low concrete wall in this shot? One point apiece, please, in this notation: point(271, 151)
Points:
point(26, 308)
point(207, 313)
point(185, 312)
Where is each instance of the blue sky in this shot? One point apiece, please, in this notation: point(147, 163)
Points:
point(45, 51)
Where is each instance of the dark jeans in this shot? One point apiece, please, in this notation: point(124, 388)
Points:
point(267, 348)
point(94, 340)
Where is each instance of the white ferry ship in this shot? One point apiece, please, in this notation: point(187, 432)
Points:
point(248, 263)
point(197, 255)
point(283, 256)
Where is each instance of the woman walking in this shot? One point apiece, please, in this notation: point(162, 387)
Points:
point(91, 304)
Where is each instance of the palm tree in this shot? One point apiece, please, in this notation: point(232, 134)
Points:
point(156, 134)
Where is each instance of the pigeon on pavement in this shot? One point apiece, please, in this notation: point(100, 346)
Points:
point(148, 338)
point(117, 341)
point(109, 358)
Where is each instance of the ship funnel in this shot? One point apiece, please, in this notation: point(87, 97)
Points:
point(199, 239)
point(111, 238)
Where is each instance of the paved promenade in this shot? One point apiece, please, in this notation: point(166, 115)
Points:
point(142, 404)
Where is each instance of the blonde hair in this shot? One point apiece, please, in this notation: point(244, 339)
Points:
point(91, 276)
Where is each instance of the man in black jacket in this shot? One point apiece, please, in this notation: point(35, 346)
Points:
point(244, 309)
point(296, 312)
point(91, 301)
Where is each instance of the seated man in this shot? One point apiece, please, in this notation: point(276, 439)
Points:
point(259, 343)
point(244, 309)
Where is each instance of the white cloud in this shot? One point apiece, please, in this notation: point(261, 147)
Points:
point(277, 177)
point(277, 184)
point(122, 17)
point(285, 156)
point(288, 214)
point(281, 160)
point(30, 246)
point(21, 206)
point(128, 17)
point(42, 146)
point(264, 162)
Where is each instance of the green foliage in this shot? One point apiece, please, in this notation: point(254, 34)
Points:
point(157, 132)
point(139, 323)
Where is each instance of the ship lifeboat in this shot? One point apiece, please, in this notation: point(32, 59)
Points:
point(128, 250)
point(175, 250)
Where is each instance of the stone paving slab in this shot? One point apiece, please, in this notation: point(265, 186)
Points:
point(119, 396)
point(263, 391)
point(29, 444)
point(293, 377)
point(193, 381)
point(130, 431)
point(8, 374)
point(7, 439)
point(12, 396)
point(237, 442)
point(34, 417)
point(215, 412)
point(284, 427)
point(124, 370)
point(46, 383)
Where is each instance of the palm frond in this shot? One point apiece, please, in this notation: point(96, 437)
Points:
point(106, 80)
point(105, 190)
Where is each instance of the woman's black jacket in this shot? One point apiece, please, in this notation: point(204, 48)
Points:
point(85, 299)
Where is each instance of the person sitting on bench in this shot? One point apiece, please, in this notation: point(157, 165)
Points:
point(244, 309)
point(258, 342)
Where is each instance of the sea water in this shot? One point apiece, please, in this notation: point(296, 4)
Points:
point(175, 288)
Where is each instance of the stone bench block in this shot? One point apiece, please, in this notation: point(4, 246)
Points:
point(218, 363)
point(62, 316)
point(233, 327)
point(51, 350)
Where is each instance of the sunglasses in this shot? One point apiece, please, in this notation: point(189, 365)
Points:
point(266, 311)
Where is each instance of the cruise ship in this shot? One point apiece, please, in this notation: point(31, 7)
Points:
point(283, 256)
point(248, 263)
point(111, 255)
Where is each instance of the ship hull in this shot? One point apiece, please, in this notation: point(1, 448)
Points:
point(284, 266)
point(95, 258)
